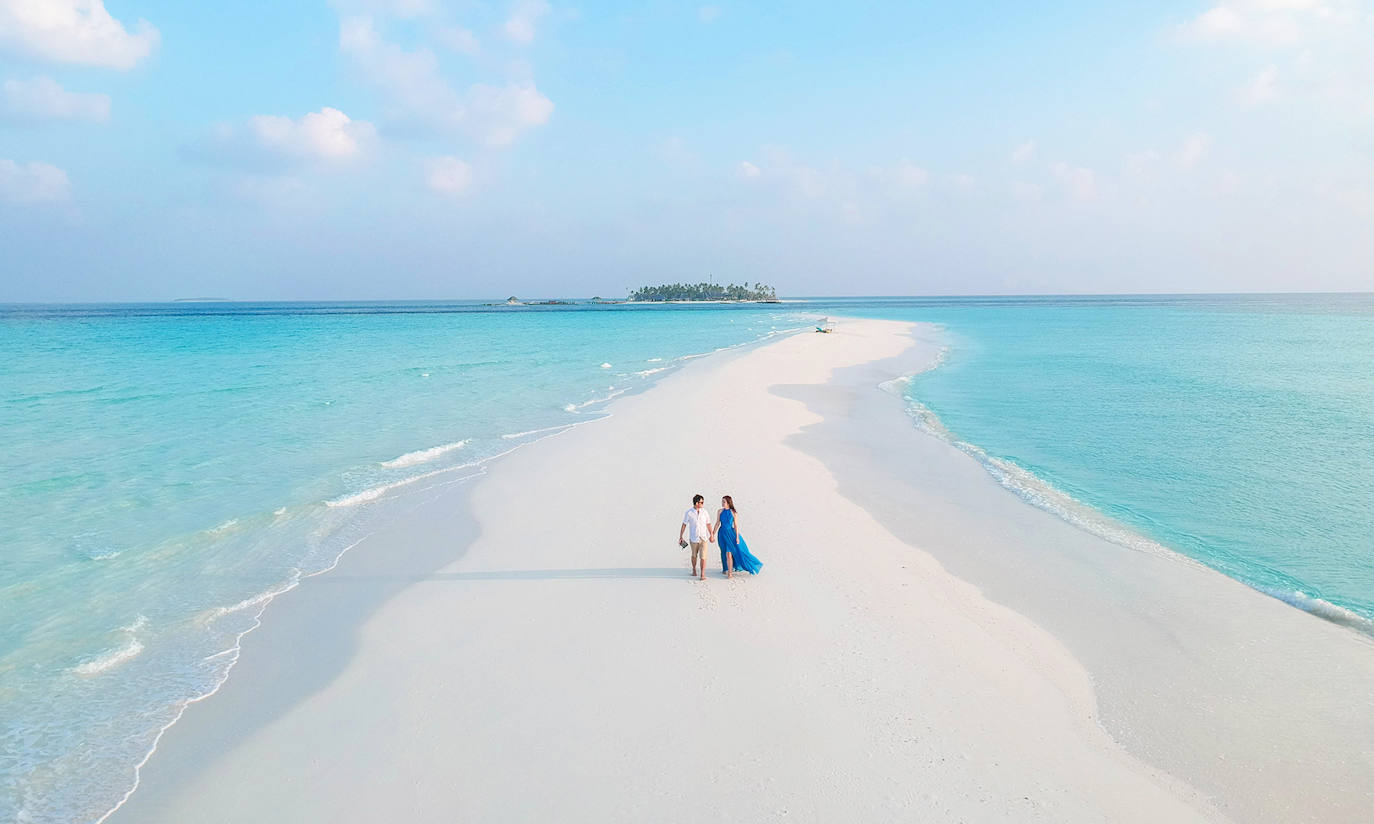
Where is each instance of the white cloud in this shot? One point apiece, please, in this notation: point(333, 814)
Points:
point(1079, 182)
point(497, 115)
point(909, 175)
point(1023, 152)
point(1261, 89)
point(780, 170)
point(404, 9)
point(1322, 49)
point(448, 175)
point(458, 39)
point(420, 99)
point(963, 182)
point(708, 14)
point(1194, 148)
point(357, 34)
point(328, 135)
point(410, 78)
point(79, 32)
point(32, 182)
point(42, 98)
point(520, 26)
point(272, 143)
point(1267, 22)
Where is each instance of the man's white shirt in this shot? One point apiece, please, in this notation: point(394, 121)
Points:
point(698, 523)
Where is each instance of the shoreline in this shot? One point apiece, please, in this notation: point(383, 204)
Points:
point(321, 652)
point(1192, 669)
point(387, 503)
point(1037, 492)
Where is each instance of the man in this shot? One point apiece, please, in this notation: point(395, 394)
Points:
point(696, 522)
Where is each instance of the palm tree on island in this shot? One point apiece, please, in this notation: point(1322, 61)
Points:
point(705, 291)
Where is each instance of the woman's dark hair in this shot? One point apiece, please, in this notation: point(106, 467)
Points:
point(696, 499)
point(729, 502)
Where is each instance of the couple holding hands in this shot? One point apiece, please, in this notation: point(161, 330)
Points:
point(698, 527)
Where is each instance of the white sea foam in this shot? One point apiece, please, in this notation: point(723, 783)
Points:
point(1322, 609)
point(513, 435)
point(374, 493)
point(654, 360)
point(423, 455)
point(112, 658)
point(224, 527)
point(896, 386)
point(647, 372)
point(232, 654)
point(378, 491)
point(574, 407)
point(605, 366)
point(260, 599)
point(1041, 494)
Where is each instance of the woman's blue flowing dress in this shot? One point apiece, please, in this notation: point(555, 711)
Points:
point(730, 541)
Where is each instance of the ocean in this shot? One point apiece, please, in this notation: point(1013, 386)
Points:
point(168, 469)
point(1237, 431)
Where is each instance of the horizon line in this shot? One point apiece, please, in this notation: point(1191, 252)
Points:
point(945, 296)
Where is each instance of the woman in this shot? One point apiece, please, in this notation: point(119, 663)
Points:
point(734, 553)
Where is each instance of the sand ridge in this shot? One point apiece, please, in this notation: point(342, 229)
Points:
point(566, 667)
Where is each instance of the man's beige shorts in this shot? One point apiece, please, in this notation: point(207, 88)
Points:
point(698, 548)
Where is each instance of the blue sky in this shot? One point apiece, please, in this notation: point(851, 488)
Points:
point(358, 149)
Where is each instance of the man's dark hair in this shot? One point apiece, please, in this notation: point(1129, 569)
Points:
point(696, 499)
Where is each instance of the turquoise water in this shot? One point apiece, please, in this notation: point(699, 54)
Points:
point(167, 469)
point(1238, 430)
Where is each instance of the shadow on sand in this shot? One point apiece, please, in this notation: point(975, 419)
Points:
point(636, 573)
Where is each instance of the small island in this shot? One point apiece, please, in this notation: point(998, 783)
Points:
point(514, 301)
point(706, 291)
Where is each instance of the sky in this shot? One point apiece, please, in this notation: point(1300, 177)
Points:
point(428, 149)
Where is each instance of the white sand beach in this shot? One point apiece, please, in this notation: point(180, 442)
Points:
point(921, 645)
